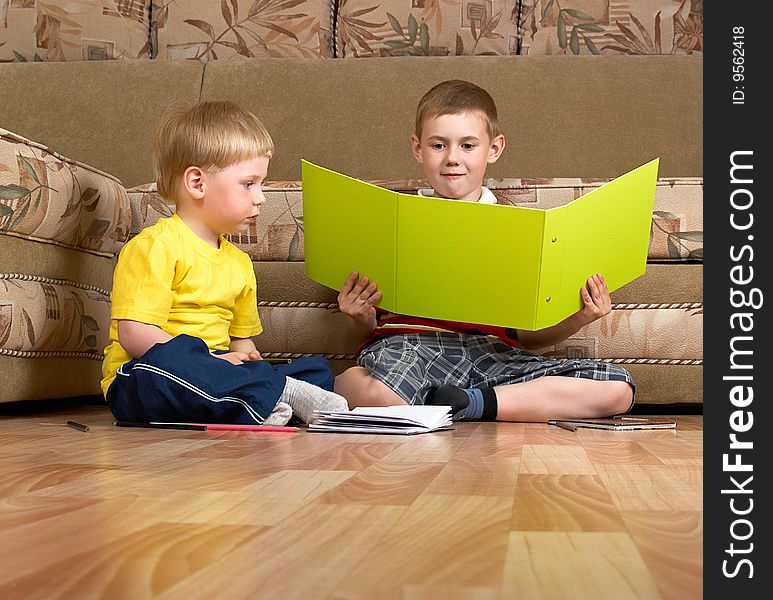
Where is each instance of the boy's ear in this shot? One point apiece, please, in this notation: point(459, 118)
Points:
point(193, 181)
point(416, 149)
point(495, 151)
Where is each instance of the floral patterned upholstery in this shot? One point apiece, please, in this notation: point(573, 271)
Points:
point(242, 29)
point(55, 30)
point(59, 30)
point(46, 197)
point(367, 28)
point(61, 226)
point(52, 316)
point(611, 27)
point(677, 222)
point(62, 222)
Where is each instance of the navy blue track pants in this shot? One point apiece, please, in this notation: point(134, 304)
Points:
point(181, 381)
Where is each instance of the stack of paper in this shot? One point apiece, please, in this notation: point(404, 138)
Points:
point(403, 419)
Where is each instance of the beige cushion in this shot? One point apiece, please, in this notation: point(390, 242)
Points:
point(356, 116)
point(54, 30)
point(236, 29)
point(42, 316)
point(48, 198)
point(604, 27)
point(366, 28)
point(61, 224)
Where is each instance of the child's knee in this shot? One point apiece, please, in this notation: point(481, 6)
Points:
point(360, 389)
point(619, 397)
point(376, 393)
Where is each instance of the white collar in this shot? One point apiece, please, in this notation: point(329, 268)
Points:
point(486, 195)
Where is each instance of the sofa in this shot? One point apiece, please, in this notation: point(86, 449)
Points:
point(76, 183)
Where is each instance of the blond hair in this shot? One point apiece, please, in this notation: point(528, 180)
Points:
point(454, 97)
point(209, 135)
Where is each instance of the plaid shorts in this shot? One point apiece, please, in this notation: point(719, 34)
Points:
point(413, 363)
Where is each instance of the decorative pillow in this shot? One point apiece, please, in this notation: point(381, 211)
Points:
point(611, 27)
point(366, 28)
point(61, 224)
point(63, 30)
point(45, 197)
point(276, 236)
point(677, 221)
point(242, 28)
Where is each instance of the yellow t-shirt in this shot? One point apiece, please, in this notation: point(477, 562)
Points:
point(169, 277)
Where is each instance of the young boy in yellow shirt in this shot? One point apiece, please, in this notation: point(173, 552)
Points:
point(483, 373)
point(184, 304)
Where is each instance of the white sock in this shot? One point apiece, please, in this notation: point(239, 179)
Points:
point(280, 415)
point(305, 398)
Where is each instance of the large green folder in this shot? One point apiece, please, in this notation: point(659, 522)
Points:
point(476, 263)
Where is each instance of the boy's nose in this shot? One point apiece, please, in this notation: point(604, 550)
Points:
point(259, 198)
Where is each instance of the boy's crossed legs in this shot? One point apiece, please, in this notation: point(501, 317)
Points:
point(543, 388)
point(180, 380)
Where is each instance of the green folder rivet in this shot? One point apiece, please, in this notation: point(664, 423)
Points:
point(547, 299)
point(554, 240)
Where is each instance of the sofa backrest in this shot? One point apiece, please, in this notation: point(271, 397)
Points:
point(563, 116)
point(102, 113)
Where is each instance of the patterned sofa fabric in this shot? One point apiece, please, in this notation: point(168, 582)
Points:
point(59, 30)
point(61, 226)
point(276, 236)
point(48, 198)
point(233, 29)
point(610, 27)
point(366, 28)
point(677, 221)
point(40, 316)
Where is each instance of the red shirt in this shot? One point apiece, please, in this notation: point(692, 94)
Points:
point(388, 323)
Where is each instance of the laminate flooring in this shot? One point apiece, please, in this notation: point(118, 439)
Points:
point(486, 510)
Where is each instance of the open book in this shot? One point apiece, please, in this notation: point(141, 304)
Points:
point(488, 264)
point(615, 423)
point(402, 419)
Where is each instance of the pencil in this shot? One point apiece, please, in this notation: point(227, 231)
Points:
point(78, 426)
point(161, 425)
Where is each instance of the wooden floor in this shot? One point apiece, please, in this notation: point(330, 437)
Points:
point(494, 510)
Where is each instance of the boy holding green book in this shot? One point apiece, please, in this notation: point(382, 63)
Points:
point(482, 372)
